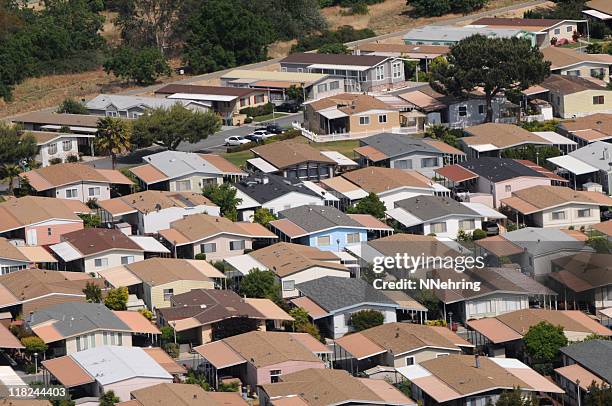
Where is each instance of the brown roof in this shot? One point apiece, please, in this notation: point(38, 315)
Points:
point(494, 330)
point(9, 251)
point(197, 89)
point(334, 59)
point(29, 284)
point(370, 222)
point(443, 147)
point(89, 241)
point(404, 49)
point(285, 258)
point(350, 103)
point(159, 271)
point(43, 137)
point(167, 362)
point(268, 309)
point(45, 117)
point(378, 179)
point(287, 153)
point(576, 373)
point(498, 245)
point(570, 320)
point(18, 213)
point(570, 84)
point(592, 127)
point(313, 309)
point(219, 354)
point(221, 163)
point(600, 5)
point(148, 173)
point(8, 340)
point(65, 174)
point(371, 153)
point(563, 57)
point(537, 198)
point(456, 173)
point(517, 22)
point(153, 200)
point(583, 271)
point(501, 135)
point(200, 226)
point(179, 394)
point(411, 243)
point(66, 370)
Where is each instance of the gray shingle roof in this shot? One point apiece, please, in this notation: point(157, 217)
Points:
point(499, 169)
point(597, 154)
point(594, 355)
point(393, 145)
point(315, 218)
point(276, 186)
point(334, 293)
point(433, 207)
point(175, 163)
point(76, 318)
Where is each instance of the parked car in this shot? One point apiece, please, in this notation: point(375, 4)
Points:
point(288, 107)
point(274, 128)
point(259, 135)
point(235, 141)
point(490, 227)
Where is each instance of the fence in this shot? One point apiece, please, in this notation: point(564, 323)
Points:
point(350, 135)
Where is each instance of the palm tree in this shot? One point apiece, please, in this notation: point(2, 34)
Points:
point(9, 173)
point(114, 137)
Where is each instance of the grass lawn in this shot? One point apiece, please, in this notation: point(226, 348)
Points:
point(344, 147)
point(267, 117)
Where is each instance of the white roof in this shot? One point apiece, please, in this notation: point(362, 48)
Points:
point(355, 194)
point(484, 210)
point(202, 97)
point(484, 147)
point(244, 263)
point(509, 363)
point(111, 364)
point(574, 165)
point(438, 187)
point(123, 102)
point(149, 244)
point(332, 113)
point(319, 190)
point(262, 165)
point(338, 67)
point(555, 138)
point(66, 251)
point(90, 130)
point(344, 256)
point(597, 14)
point(607, 312)
point(401, 215)
point(340, 159)
point(413, 372)
point(9, 377)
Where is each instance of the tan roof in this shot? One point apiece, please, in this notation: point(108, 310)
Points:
point(570, 320)
point(411, 243)
point(162, 358)
point(313, 309)
point(46, 117)
point(404, 49)
point(501, 135)
point(179, 394)
point(32, 283)
point(66, 370)
point(220, 354)
point(43, 137)
point(444, 147)
point(65, 174)
point(565, 84)
point(537, 198)
point(8, 340)
point(137, 322)
point(494, 330)
point(17, 213)
point(285, 258)
point(600, 5)
point(340, 184)
point(564, 57)
point(575, 373)
point(148, 173)
point(377, 179)
point(499, 246)
point(37, 254)
point(386, 391)
point(359, 346)
point(311, 343)
point(119, 276)
point(287, 153)
point(221, 163)
point(200, 226)
point(350, 103)
point(423, 100)
point(594, 126)
point(369, 221)
point(402, 299)
point(159, 271)
point(9, 251)
point(371, 153)
point(268, 309)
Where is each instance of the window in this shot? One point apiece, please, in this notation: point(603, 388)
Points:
point(52, 149)
point(283, 69)
point(437, 228)
point(508, 188)
point(322, 88)
point(584, 213)
point(403, 164)
point(597, 73)
point(182, 185)
point(334, 85)
point(397, 70)
point(380, 72)
point(575, 72)
point(209, 247)
point(168, 294)
point(481, 109)
point(557, 31)
point(259, 98)
point(94, 191)
point(569, 28)
point(441, 355)
point(275, 375)
point(324, 241)
point(409, 361)
point(288, 285)
point(300, 70)
point(127, 259)
point(598, 100)
point(49, 232)
point(467, 224)
point(429, 162)
point(243, 101)
point(236, 245)
point(100, 262)
point(462, 111)
point(85, 341)
point(71, 193)
point(111, 114)
point(353, 238)
point(364, 120)
point(67, 145)
point(382, 118)
point(557, 215)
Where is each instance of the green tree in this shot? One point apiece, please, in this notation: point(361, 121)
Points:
point(90, 220)
point(479, 234)
point(93, 293)
point(295, 93)
point(428, 8)
point(113, 137)
point(302, 323)
point(429, 299)
point(9, 173)
point(334, 48)
point(492, 64)
point(263, 216)
point(516, 398)
point(109, 398)
point(371, 204)
point(34, 344)
point(365, 319)
point(16, 146)
point(169, 127)
point(260, 284)
point(542, 344)
point(142, 66)
point(598, 395)
point(221, 34)
point(344, 34)
point(224, 196)
point(116, 299)
point(71, 106)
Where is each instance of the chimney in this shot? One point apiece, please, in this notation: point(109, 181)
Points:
point(477, 360)
point(265, 180)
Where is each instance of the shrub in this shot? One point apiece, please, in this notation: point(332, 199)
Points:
point(365, 319)
point(72, 158)
point(258, 110)
point(478, 234)
point(172, 349)
point(200, 256)
point(148, 314)
point(55, 161)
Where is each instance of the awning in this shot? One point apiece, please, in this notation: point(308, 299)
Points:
point(332, 113)
point(202, 97)
point(339, 67)
point(597, 14)
point(535, 89)
point(162, 358)
point(401, 215)
point(66, 370)
point(66, 251)
point(119, 276)
point(8, 340)
point(484, 147)
point(520, 205)
point(262, 165)
point(339, 158)
point(90, 130)
point(485, 211)
point(8, 377)
point(219, 354)
point(313, 309)
point(456, 173)
point(244, 263)
point(429, 383)
point(498, 245)
point(575, 373)
point(137, 322)
point(359, 346)
point(493, 329)
point(149, 244)
point(269, 309)
point(555, 138)
point(537, 382)
point(573, 165)
point(37, 254)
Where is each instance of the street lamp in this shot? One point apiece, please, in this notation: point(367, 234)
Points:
point(36, 363)
point(450, 317)
point(578, 386)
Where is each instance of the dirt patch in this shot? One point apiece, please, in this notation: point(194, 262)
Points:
point(110, 32)
point(280, 49)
